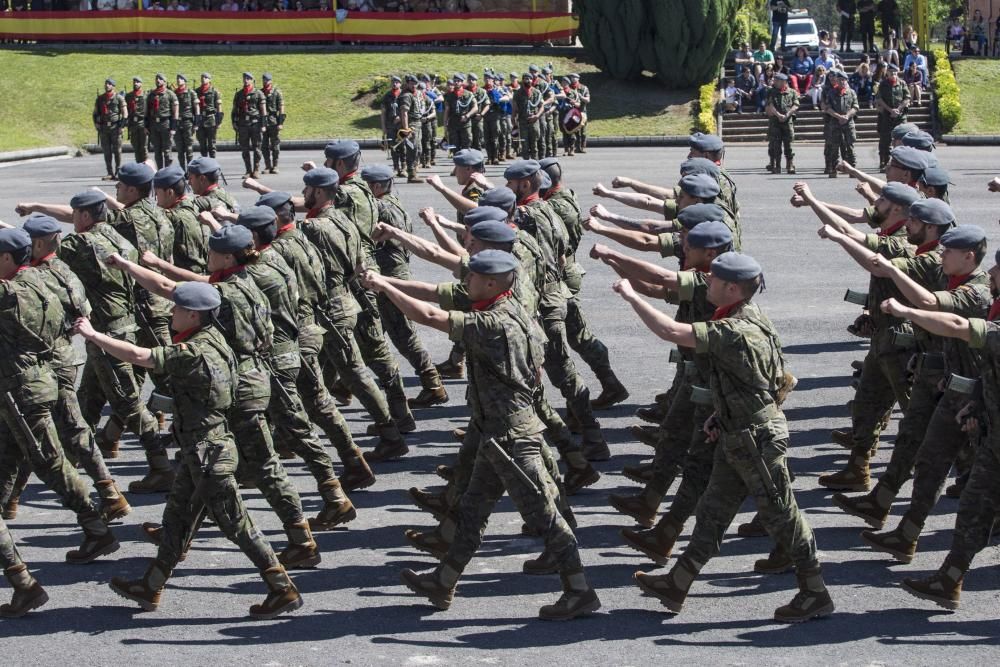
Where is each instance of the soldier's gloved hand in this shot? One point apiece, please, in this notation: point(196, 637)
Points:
point(83, 327)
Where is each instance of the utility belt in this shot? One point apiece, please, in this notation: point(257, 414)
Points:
point(247, 362)
point(511, 422)
point(11, 378)
point(285, 347)
point(759, 418)
point(122, 325)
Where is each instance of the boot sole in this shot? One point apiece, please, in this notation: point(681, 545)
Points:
point(318, 527)
point(833, 486)
point(638, 479)
point(373, 458)
point(751, 533)
point(818, 613)
point(427, 550)
point(110, 549)
point(642, 521)
point(870, 520)
point(672, 607)
point(609, 403)
point(290, 607)
point(657, 558)
point(34, 603)
point(588, 608)
point(441, 603)
point(145, 604)
point(950, 605)
point(774, 570)
point(589, 481)
point(303, 564)
point(119, 514)
point(428, 404)
point(903, 558)
point(357, 486)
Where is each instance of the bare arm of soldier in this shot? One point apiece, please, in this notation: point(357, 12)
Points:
point(110, 201)
point(415, 288)
point(935, 323)
point(432, 220)
point(826, 216)
point(635, 268)
point(120, 349)
point(875, 182)
point(172, 272)
point(635, 200)
point(61, 212)
point(463, 204)
point(911, 290)
point(856, 249)
point(646, 225)
point(660, 324)
point(642, 188)
point(635, 240)
point(418, 246)
point(415, 310)
point(155, 282)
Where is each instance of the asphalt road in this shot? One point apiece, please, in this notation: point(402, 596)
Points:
point(356, 611)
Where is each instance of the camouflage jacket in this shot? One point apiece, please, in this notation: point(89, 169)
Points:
point(190, 237)
point(71, 293)
point(893, 96)
point(392, 257)
point(527, 103)
point(840, 102)
point(146, 227)
point(412, 106)
point(31, 321)
point(970, 299)
point(160, 107)
point(214, 197)
point(538, 219)
point(208, 100)
point(527, 287)
point(277, 281)
point(247, 107)
point(111, 292)
point(339, 246)
point(136, 104)
point(984, 341)
point(304, 259)
point(274, 101)
point(185, 104)
point(471, 192)
point(357, 202)
point(109, 111)
point(693, 306)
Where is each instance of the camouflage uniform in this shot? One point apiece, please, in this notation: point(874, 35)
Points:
point(670, 244)
point(31, 321)
point(138, 136)
point(211, 112)
point(9, 555)
point(413, 106)
point(112, 298)
point(190, 251)
point(781, 135)
point(894, 96)
point(459, 131)
point(271, 144)
point(214, 197)
point(247, 120)
point(478, 126)
point(493, 141)
point(160, 123)
point(184, 137)
point(109, 118)
point(840, 138)
point(526, 103)
point(428, 133)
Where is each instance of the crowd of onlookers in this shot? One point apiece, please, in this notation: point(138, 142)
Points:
point(972, 38)
point(431, 6)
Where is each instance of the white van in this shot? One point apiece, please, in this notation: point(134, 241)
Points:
point(801, 31)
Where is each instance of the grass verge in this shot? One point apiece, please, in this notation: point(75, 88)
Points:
point(978, 81)
point(320, 91)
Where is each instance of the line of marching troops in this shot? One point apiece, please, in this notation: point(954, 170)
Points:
point(247, 333)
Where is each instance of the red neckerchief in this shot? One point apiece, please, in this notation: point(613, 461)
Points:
point(927, 247)
point(264, 247)
point(137, 93)
point(245, 104)
point(316, 210)
point(285, 228)
point(473, 88)
point(108, 96)
point(725, 311)
point(182, 198)
point(268, 87)
point(213, 186)
point(529, 199)
point(489, 86)
point(348, 176)
point(180, 90)
point(460, 91)
point(19, 269)
point(485, 304)
point(889, 231)
point(202, 91)
point(528, 90)
point(574, 86)
point(36, 262)
point(994, 310)
point(551, 191)
point(704, 268)
point(159, 90)
point(184, 335)
point(955, 281)
point(515, 85)
point(222, 274)
point(892, 80)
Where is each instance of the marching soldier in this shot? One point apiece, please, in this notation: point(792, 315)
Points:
point(782, 103)
point(203, 175)
point(273, 122)
point(190, 249)
point(161, 120)
point(249, 111)
point(188, 117)
point(840, 107)
point(211, 115)
point(135, 101)
point(110, 116)
point(390, 124)
point(891, 101)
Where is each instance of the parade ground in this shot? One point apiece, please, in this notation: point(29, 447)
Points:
point(356, 610)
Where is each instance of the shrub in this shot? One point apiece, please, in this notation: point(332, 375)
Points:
point(946, 88)
point(706, 108)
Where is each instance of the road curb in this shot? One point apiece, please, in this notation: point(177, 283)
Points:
point(35, 153)
point(971, 139)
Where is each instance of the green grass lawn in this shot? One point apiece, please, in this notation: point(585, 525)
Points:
point(978, 81)
point(58, 91)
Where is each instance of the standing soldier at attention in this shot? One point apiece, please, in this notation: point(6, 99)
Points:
point(410, 109)
point(891, 101)
point(482, 104)
point(249, 111)
point(188, 116)
point(841, 107)
point(493, 121)
point(211, 115)
point(161, 120)
point(390, 124)
point(782, 103)
point(527, 112)
point(110, 116)
point(202, 371)
point(428, 124)
point(584, 93)
point(459, 108)
point(135, 101)
point(273, 122)
point(570, 101)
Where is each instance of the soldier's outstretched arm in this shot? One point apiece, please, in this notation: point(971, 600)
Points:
point(659, 323)
point(827, 216)
point(936, 323)
point(651, 290)
point(635, 240)
point(463, 204)
point(635, 200)
point(155, 282)
point(635, 268)
point(639, 225)
point(172, 272)
point(61, 212)
point(857, 251)
point(110, 200)
point(415, 288)
point(875, 182)
point(120, 349)
point(642, 188)
point(298, 201)
point(423, 249)
point(433, 220)
point(414, 309)
point(913, 291)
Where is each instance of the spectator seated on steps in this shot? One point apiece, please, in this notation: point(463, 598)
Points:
point(861, 83)
point(800, 72)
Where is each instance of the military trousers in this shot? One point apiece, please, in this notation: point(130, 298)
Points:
point(980, 503)
point(287, 414)
point(752, 462)
point(541, 139)
point(206, 481)
point(139, 138)
point(9, 555)
point(319, 403)
point(780, 137)
point(403, 335)
point(696, 469)
point(111, 146)
point(560, 368)
point(882, 384)
point(492, 141)
point(271, 145)
point(206, 139)
point(248, 137)
point(460, 134)
point(528, 133)
point(912, 429)
point(583, 341)
point(40, 449)
point(75, 434)
point(675, 438)
point(581, 138)
point(411, 150)
point(840, 141)
point(428, 142)
point(107, 379)
point(184, 141)
point(492, 474)
point(341, 351)
point(885, 125)
point(379, 358)
point(506, 136)
point(159, 141)
point(552, 137)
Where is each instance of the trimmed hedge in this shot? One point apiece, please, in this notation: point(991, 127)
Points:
point(705, 122)
point(946, 89)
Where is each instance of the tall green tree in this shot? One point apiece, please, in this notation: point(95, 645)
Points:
point(682, 42)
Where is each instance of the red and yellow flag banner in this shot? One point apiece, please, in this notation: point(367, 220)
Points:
point(309, 26)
